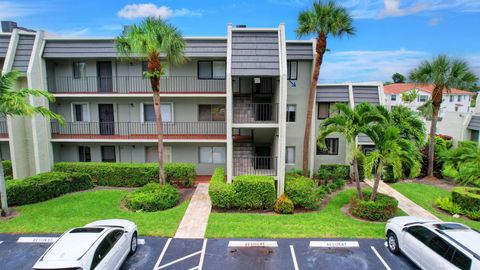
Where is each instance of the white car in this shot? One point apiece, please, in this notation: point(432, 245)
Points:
point(100, 245)
point(434, 245)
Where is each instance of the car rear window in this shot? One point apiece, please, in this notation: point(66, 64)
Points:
point(87, 230)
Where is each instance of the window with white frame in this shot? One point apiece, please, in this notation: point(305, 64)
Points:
point(459, 98)
point(80, 112)
point(290, 155)
point(211, 69)
point(292, 70)
point(331, 147)
point(148, 112)
point(211, 112)
point(291, 112)
point(451, 98)
point(79, 70)
point(393, 97)
point(151, 154)
point(213, 155)
point(84, 154)
point(423, 98)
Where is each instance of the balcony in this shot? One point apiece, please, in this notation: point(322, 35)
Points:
point(208, 130)
point(245, 112)
point(134, 84)
point(3, 129)
point(255, 166)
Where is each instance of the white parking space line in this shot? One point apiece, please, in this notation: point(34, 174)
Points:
point(141, 241)
point(37, 239)
point(334, 244)
point(179, 260)
point(380, 258)
point(294, 258)
point(252, 244)
point(162, 254)
point(202, 256)
point(1, 242)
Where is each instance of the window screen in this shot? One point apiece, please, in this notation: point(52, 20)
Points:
point(292, 70)
point(291, 112)
point(84, 154)
point(204, 69)
point(108, 154)
point(290, 155)
point(79, 70)
point(323, 110)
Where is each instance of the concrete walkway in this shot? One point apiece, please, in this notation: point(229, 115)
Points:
point(194, 222)
point(409, 207)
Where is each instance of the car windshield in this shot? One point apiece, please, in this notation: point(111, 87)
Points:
point(450, 226)
point(87, 230)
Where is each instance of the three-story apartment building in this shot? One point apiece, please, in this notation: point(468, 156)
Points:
point(238, 102)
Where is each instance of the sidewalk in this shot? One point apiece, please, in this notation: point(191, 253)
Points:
point(409, 207)
point(194, 222)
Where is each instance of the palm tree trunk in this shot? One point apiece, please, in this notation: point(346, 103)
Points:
point(155, 68)
point(436, 101)
point(320, 50)
point(3, 191)
point(378, 176)
point(356, 177)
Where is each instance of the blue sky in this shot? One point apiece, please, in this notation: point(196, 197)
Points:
point(392, 35)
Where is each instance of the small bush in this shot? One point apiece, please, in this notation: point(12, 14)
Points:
point(295, 172)
point(303, 192)
point(283, 205)
point(131, 174)
point(7, 168)
point(333, 172)
point(221, 194)
point(474, 215)
point(152, 197)
point(448, 205)
point(254, 192)
point(45, 186)
point(467, 197)
point(383, 208)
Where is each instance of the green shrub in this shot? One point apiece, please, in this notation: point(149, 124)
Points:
point(467, 197)
point(254, 192)
point(130, 174)
point(387, 175)
point(333, 172)
point(303, 192)
point(45, 186)
point(283, 205)
point(221, 194)
point(461, 163)
point(383, 208)
point(475, 215)
point(7, 168)
point(448, 205)
point(295, 172)
point(152, 197)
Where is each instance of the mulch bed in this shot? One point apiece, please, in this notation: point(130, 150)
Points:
point(13, 214)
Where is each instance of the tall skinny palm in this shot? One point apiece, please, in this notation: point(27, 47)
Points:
point(15, 103)
point(349, 122)
point(391, 149)
point(444, 73)
point(152, 39)
point(323, 20)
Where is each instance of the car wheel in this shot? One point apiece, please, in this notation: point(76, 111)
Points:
point(392, 243)
point(133, 243)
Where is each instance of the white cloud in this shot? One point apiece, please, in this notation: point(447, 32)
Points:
point(133, 11)
point(10, 10)
point(376, 9)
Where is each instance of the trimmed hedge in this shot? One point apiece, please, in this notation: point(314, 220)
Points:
point(152, 197)
point(221, 194)
point(303, 192)
point(45, 186)
point(467, 197)
point(7, 168)
point(333, 172)
point(383, 208)
point(246, 191)
point(254, 192)
point(283, 205)
point(131, 174)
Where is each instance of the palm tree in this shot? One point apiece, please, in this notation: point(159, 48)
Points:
point(410, 126)
point(391, 149)
point(444, 73)
point(15, 103)
point(323, 20)
point(350, 122)
point(153, 38)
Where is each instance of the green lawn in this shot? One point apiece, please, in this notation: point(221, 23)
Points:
point(328, 222)
point(425, 195)
point(78, 209)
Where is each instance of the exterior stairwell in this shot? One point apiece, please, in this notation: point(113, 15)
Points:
point(243, 154)
point(243, 111)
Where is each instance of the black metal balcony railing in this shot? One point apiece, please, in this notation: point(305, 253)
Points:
point(255, 113)
point(3, 129)
point(139, 130)
point(255, 165)
point(133, 84)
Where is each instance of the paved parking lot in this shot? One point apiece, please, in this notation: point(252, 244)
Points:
point(163, 253)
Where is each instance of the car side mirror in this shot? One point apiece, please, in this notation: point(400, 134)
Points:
point(405, 229)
